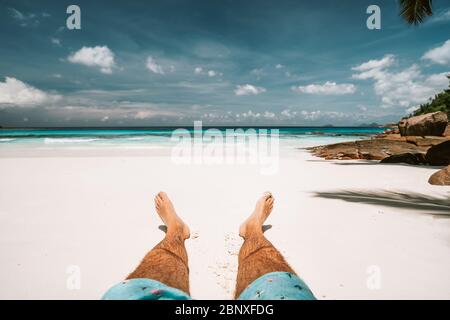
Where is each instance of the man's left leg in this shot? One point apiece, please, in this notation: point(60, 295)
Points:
point(263, 273)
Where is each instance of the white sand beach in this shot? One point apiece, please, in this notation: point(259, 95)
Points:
point(94, 210)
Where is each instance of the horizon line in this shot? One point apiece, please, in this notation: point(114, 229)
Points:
point(209, 127)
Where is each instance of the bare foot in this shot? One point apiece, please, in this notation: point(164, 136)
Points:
point(167, 213)
point(255, 222)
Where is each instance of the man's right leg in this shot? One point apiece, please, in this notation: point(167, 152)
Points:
point(260, 260)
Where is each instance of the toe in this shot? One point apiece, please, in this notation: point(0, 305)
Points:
point(163, 195)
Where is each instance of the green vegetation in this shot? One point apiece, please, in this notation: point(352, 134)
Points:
point(440, 102)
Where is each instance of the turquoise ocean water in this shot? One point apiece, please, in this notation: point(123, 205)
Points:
point(116, 137)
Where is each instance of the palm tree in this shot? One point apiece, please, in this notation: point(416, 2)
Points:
point(415, 11)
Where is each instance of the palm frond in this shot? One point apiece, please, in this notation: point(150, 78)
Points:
point(415, 11)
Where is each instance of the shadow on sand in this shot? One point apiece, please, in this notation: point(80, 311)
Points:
point(347, 162)
point(377, 163)
point(410, 200)
point(372, 163)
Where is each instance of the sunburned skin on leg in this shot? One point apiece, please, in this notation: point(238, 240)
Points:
point(263, 272)
point(258, 256)
point(167, 262)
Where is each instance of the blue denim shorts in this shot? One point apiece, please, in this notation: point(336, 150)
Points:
point(271, 286)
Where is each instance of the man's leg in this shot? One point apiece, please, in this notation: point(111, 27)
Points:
point(167, 262)
point(258, 257)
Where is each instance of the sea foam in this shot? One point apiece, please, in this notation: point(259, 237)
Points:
point(67, 140)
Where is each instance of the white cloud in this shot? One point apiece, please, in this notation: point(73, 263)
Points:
point(55, 41)
point(386, 61)
point(210, 73)
point(251, 114)
point(258, 73)
point(247, 89)
point(279, 66)
point(403, 88)
point(16, 14)
point(328, 115)
point(153, 66)
point(27, 19)
point(441, 16)
point(411, 109)
point(440, 55)
point(99, 56)
point(362, 108)
point(17, 93)
point(311, 115)
point(328, 88)
point(438, 80)
point(288, 113)
point(269, 115)
point(145, 114)
point(112, 111)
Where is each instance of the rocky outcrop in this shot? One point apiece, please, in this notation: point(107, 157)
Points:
point(425, 141)
point(439, 155)
point(408, 158)
point(447, 131)
point(441, 178)
point(373, 149)
point(430, 124)
point(377, 148)
point(416, 140)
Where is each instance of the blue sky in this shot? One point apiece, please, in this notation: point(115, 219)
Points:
point(223, 62)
